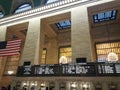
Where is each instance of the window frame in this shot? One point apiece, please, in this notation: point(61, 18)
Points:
point(21, 5)
point(108, 42)
point(50, 2)
point(63, 47)
point(62, 27)
point(1, 14)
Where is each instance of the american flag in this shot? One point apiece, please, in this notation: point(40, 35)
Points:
point(8, 48)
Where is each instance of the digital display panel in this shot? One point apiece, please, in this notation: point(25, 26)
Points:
point(78, 69)
point(27, 71)
point(105, 16)
point(117, 68)
point(106, 69)
point(46, 70)
point(94, 69)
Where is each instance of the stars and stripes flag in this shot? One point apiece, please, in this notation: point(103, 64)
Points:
point(9, 48)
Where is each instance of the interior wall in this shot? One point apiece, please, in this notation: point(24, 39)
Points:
point(52, 51)
point(64, 38)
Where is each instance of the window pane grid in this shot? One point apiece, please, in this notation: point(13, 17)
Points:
point(43, 60)
point(12, 64)
point(65, 51)
point(23, 8)
point(103, 50)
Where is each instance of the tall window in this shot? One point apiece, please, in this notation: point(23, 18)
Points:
point(104, 48)
point(43, 60)
point(1, 14)
point(67, 52)
point(23, 7)
point(11, 65)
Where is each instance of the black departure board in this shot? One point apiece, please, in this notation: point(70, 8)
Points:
point(78, 69)
point(117, 68)
point(87, 69)
point(27, 71)
point(108, 69)
point(46, 70)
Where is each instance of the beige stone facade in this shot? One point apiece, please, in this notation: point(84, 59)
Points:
point(40, 33)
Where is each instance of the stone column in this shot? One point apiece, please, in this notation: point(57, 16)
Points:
point(80, 31)
point(3, 30)
point(56, 85)
point(31, 48)
point(92, 86)
point(68, 85)
point(104, 86)
point(38, 85)
point(79, 86)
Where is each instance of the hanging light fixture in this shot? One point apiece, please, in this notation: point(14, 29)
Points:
point(112, 56)
point(63, 60)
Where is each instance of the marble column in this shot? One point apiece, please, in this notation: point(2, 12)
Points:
point(31, 48)
point(80, 31)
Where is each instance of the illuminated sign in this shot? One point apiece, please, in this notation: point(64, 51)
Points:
point(77, 69)
point(88, 69)
point(105, 16)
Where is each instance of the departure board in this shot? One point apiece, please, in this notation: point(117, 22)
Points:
point(108, 69)
point(94, 69)
point(46, 70)
point(117, 68)
point(27, 71)
point(78, 69)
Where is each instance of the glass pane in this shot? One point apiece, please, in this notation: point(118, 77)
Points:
point(12, 64)
point(1, 14)
point(51, 1)
point(23, 8)
point(43, 56)
point(105, 48)
point(65, 51)
point(64, 24)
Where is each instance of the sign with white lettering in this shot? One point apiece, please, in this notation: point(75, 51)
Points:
point(88, 69)
point(27, 71)
point(78, 69)
point(108, 69)
point(117, 68)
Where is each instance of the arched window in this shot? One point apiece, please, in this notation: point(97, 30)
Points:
point(51, 1)
point(23, 7)
point(1, 14)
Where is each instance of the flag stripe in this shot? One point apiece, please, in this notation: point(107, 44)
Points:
point(9, 54)
point(10, 51)
point(12, 48)
point(1, 50)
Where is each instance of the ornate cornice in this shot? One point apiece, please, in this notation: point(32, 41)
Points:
point(44, 10)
